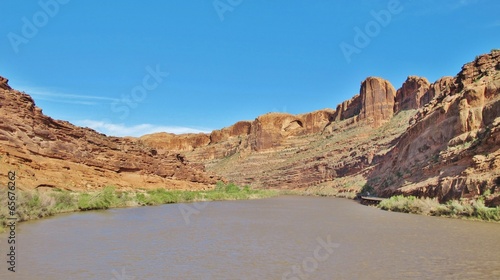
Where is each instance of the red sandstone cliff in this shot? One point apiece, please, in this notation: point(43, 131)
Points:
point(51, 153)
point(377, 99)
point(451, 149)
point(438, 140)
point(412, 94)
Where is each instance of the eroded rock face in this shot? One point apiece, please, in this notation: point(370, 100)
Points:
point(4, 83)
point(269, 130)
point(348, 109)
point(473, 73)
point(265, 132)
point(316, 121)
point(242, 128)
point(410, 95)
point(437, 90)
point(56, 153)
point(376, 136)
point(439, 140)
point(377, 99)
point(451, 150)
point(172, 142)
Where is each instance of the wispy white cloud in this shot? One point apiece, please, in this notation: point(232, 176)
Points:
point(55, 96)
point(79, 102)
point(121, 130)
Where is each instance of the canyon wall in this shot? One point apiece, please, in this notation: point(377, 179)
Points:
point(436, 140)
point(49, 153)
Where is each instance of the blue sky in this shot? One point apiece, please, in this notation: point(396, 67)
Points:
point(135, 67)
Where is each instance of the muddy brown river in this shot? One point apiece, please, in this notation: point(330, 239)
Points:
point(286, 237)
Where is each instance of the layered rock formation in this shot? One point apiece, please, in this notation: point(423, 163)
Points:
point(440, 140)
point(51, 153)
point(436, 140)
point(451, 150)
point(281, 150)
point(265, 132)
point(348, 109)
point(377, 99)
point(412, 95)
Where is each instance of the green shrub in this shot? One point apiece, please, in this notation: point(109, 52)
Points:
point(34, 205)
point(485, 213)
point(84, 202)
point(453, 208)
point(108, 197)
point(162, 196)
point(141, 199)
point(122, 198)
point(101, 200)
point(64, 201)
point(188, 196)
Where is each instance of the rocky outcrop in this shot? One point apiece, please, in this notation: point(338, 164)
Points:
point(4, 83)
point(165, 142)
point(438, 90)
point(377, 99)
point(451, 150)
point(348, 109)
point(438, 140)
point(447, 149)
point(410, 95)
point(265, 132)
point(268, 131)
point(473, 73)
point(239, 129)
point(316, 121)
point(48, 152)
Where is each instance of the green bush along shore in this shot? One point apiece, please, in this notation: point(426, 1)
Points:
point(469, 209)
point(39, 204)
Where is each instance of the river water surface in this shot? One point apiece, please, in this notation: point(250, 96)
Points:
point(279, 238)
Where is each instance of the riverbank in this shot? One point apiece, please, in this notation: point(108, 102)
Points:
point(465, 209)
point(31, 205)
point(471, 209)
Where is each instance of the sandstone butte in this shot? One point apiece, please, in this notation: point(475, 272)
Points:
point(431, 140)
